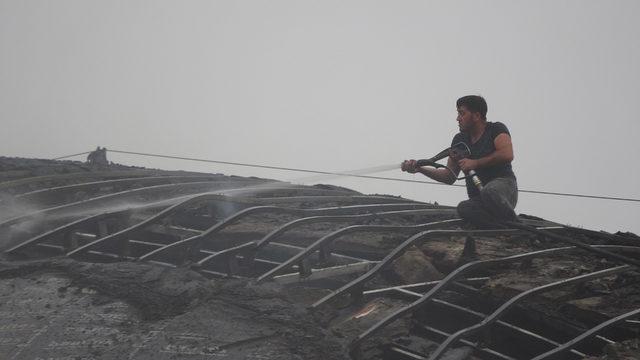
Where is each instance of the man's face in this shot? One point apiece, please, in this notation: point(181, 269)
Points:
point(465, 119)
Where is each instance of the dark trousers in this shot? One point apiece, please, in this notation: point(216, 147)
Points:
point(495, 204)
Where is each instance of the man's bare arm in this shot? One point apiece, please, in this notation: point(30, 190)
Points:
point(442, 175)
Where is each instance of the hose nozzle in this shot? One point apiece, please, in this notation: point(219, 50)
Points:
point(475, 179)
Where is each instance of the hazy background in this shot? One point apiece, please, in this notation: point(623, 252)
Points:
point(334, 85)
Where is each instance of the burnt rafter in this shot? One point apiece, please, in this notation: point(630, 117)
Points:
point(509, 326)
point(358, 217)
point(167, 209)
point(196, 241)
point(239, 201)
point(479, 315)
point(167, 193)
point(157, 218)
point(66, 232)
point(172, 206)
point(506, 306)
point(408, 353)
point(559, 350)
point(50, 195)
point(257, 245)
point(250, 249)
point(458, 273)
point(577, 243)
point(325, 242)
point(21, 186)
point(356, 286)
point(94, 204)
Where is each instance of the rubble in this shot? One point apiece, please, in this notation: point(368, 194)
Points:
point(141, 311)
point(414, 266)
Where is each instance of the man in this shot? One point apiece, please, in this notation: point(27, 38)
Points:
point(98, 157)
point(491, 157)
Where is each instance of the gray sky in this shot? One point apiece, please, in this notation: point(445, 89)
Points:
point(334, 85)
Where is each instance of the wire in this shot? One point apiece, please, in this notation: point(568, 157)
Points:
point(579, 195)
point(68, 156)
point(281, 168)
point(352, 175)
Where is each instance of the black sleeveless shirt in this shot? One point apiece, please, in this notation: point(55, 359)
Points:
point(481, 148)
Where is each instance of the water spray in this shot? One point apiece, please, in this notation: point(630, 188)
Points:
point(349, 173)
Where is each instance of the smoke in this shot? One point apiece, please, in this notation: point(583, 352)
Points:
point(11, 208)
point(39, 220)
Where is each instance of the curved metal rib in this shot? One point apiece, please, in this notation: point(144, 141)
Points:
point(226, 254)
point(463, 270)
point(65, 229)
point(592, 249)
point(12, 184)
point(123, 234)
point(506, 306)
point(78, 206)
point(340, 198)
point(480, 315)
point(193, 187)
point(151, 180)
point(313, 219)
point(358, 283)
point(195, 240)
point(621, 239)
point(492, 354)
point(97, 217)
point(328, 239)
point(215, 197)
point(218, 196)
point(575, 341)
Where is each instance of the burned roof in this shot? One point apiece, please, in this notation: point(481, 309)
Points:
point(121, 262)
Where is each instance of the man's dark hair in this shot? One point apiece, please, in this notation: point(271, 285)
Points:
point(474, 103)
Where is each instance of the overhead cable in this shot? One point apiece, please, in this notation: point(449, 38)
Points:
point(347, 174)
point(68, 156)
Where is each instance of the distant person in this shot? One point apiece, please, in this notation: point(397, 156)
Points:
point(491, 157)
point(91, 158)
point(98, 157)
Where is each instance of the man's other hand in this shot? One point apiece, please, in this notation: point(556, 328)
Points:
point(467, 164)
point(409, 166)
point(455, 155)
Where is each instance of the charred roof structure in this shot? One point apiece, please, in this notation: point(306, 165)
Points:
point(126, 263)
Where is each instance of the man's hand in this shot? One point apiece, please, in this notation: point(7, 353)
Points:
point(467, 164)
point(455, 155)
point(409, 166)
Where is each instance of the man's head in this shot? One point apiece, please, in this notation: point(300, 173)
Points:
point(472, 109)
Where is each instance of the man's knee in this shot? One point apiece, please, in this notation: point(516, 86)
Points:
point(474, 212)
point(498, 203)
point(466, 209)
